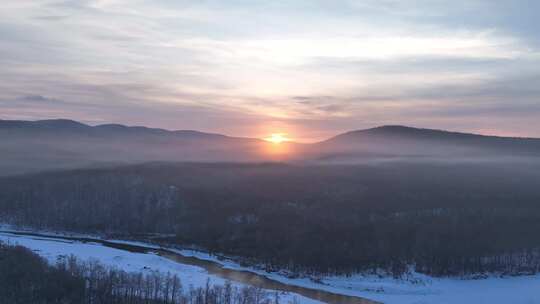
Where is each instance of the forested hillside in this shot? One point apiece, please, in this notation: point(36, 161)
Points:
point(31, 146)
point(442, 219)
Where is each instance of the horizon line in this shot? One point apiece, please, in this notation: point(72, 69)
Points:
point(82, 122)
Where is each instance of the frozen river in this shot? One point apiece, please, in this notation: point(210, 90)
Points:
point(191, 270)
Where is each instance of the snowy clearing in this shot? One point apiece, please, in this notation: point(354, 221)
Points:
point(54, 249)
point(417, 289)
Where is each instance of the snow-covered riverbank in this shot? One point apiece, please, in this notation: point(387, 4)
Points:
point(54, 249)
point(415, 290)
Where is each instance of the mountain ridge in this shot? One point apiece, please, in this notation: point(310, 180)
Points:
point(408, 130)
point(29, 146)
point(378, 130)
point(72, 124)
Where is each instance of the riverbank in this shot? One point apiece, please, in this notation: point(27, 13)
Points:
point(193, 271)
point(417, 288)
point(54, 249)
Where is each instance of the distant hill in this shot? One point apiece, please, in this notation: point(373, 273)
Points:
point(389, 142)
point(57, 144)
point(29, 146)
point(67, 126)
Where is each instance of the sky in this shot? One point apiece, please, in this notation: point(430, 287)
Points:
point(307, 69)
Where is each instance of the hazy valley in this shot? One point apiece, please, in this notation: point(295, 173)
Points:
point(394, 201)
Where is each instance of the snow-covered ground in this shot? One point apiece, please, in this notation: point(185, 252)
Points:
point(515, 290)
point(417, 289)
point(53, 249)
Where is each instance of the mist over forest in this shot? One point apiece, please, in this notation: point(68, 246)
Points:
point(34, 146)
point(266, 152)
point(392, 199)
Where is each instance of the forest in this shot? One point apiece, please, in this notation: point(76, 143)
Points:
point(25, 277)
point(441, 219)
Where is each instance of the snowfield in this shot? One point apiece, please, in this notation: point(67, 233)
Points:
point(416, 289)
point(54, 249)
point(515, 290)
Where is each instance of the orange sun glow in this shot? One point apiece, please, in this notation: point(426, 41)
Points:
point(277, 138)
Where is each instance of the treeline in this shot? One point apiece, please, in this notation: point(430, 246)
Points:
point(27, 278)
point(442, 219)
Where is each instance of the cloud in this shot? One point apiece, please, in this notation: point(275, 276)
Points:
point(241, 67)
point(51, 17)
point(35, 98)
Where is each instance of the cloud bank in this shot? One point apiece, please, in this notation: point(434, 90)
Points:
point(309, 68)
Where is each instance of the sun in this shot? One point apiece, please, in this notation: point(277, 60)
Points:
point(277, 138)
